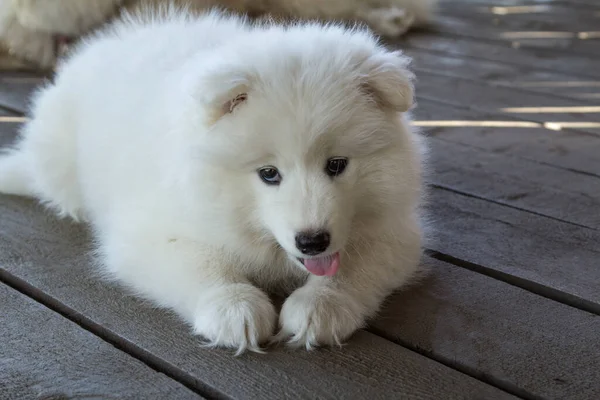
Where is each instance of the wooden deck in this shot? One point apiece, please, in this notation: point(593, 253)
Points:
point(509, 91)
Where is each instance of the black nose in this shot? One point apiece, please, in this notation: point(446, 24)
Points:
point(312, 243)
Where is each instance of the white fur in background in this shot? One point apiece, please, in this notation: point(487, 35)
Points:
point(29, 27)
point(157, 134)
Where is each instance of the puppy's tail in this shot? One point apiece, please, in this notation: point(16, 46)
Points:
point(15, 176)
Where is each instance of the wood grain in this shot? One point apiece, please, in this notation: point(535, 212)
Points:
point(45, 356)
point(17, 89)
point(493, 329)
point(568, 149)
point(550, 257)
point(542, 59)
point(494, 73)
point(527, 185)
point(545, 39)
point(522, 104)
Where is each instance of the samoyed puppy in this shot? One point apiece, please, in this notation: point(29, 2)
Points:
point(216, 160)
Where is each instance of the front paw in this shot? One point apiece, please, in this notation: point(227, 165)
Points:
point(314, 316)
point(238, 316)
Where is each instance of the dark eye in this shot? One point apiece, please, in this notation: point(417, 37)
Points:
point(335, 166)
point(270, 175)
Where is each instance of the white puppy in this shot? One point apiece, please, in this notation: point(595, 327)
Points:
point(213, 157)
point(32, 29)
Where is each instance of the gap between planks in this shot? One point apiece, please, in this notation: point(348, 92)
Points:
point(461, 192)
point(522, 283)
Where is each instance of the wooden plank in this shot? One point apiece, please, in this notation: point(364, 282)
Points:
point(524, 15)
point(490, 328)
point(552, 258)
point(9, 125)
point(51, 256)
point(582, 3)
point(537, 32)
point(585, 4)
point(500, 74)
point(544, 60)
point(566, 149)
point(543, 189)
point(528, 106)
point(44, 355)
point(560, 43)
point(17, 89)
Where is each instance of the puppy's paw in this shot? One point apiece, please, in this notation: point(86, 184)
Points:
point(238, 316)
point(318, 316)
point(390, 22)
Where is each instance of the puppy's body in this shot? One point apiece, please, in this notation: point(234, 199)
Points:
point(153, 132)
point(29, 27)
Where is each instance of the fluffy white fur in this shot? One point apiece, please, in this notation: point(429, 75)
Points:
point(144, 136)
point(28, 27)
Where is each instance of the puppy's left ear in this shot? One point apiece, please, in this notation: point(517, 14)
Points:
point(220, 87)
point(388, 80)
point(222, 92)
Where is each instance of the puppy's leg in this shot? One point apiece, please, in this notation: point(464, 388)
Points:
point(393, 18)
point(43, 163)
point(327, 310)
point(201, 284)
point(390, 21)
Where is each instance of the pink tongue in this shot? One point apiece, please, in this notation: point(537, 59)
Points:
point(323, 265)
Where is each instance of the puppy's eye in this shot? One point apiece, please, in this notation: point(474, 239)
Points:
point(335, 166)
point(270, 175)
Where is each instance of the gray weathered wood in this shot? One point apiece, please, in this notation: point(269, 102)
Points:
point(457, 21)
point(543, 40)
point(496, 73)
point(550, 257)
point(9, 125)
point(566, 148)
point(484, 97)
point(51, 255)
point(529, 13)
point(583, 4)
point(574, 65)
point(490, 328)
point(535, 187)
point(589, 5)
point(17, 89)
point(43, 356)
point(523, 15)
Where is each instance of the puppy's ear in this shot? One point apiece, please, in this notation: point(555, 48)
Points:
point(223, 94)
point(220, 90)
point(388, 80)
point(226, 102)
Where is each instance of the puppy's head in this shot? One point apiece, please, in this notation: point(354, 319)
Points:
point(309, 121)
